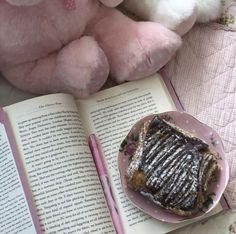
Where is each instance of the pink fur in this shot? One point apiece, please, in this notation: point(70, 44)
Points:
point(44, 47)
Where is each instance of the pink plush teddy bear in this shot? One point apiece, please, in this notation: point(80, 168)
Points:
point(73, 45)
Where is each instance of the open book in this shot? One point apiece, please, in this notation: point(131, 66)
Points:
point(49, 182)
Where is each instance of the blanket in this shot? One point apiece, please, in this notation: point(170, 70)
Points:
point(203, 73)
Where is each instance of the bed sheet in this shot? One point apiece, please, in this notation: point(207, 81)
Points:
point(203, 73)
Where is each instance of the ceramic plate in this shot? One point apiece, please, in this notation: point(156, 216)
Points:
point(189, 123)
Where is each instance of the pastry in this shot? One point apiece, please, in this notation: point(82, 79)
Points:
point(172, 168)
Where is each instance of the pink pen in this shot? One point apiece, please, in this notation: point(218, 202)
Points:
point(98, 159)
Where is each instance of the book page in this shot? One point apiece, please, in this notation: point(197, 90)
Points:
point(60, 169)
point(15, 214)
point(111, 114)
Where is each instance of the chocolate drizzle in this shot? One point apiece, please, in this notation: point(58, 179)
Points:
point(176, 167)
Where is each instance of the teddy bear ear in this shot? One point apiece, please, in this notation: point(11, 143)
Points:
point(111, 3)
point(23, 2)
